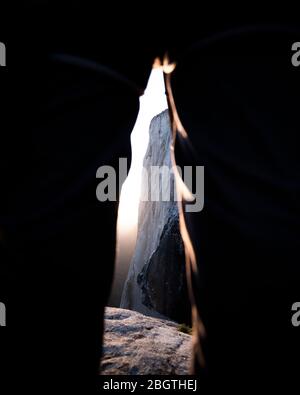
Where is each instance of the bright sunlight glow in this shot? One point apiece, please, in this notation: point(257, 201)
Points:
point(152, 103)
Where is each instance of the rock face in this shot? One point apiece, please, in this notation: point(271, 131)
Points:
point(135, 344)
point(156, 282)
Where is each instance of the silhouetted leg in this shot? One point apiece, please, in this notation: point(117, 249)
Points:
point(59, 239)
point(236, 95)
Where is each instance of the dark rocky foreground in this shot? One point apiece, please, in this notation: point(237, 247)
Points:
point(135, 344)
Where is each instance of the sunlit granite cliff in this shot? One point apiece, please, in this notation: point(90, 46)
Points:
point(156, 283)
